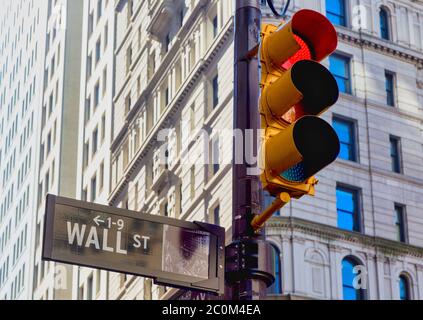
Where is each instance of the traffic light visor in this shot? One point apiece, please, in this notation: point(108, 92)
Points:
point(308, 83)
point(308, 35)
point(317, 31)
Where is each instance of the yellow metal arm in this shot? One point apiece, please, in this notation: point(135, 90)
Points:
point(280, 201)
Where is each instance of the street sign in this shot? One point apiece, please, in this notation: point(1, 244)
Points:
point(175, 253)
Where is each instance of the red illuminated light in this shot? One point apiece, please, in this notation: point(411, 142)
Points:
point(303, 54)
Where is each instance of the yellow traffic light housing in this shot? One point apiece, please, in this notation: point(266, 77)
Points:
point(295, 90)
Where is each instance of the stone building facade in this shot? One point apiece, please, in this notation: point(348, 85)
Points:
point(173, 71)
point(154, 87)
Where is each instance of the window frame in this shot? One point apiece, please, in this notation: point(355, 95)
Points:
point(404, 238)
point(385, 33)
point(215, 91)
point(348, 68)
point(354, 133)
point(358, 202)
point(345, 18)
point(399, 155)
point(392, 76)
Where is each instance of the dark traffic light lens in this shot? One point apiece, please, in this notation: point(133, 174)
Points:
point(317, 142)
point(317, 84)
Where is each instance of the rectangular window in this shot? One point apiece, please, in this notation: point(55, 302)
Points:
point(89, 66)
point(130, 11)
point(335, 12)
point(216, 215)
point(48, 143)
point(340, 68)
point(52, 67)
point(103, 127)
point(50, 104)
point(86, 154)
point(93, 188)
point(52, 172)
point(90, 288)
point(167, 43)
point(400, 223)
point(389, 87)
point(42, 154)
point(192, 182)
point(215, 84)
point(167, 97)
point(347, 207)
point(46, 183)
point(128, 104)
point(101, 185)
point(166, 210)
point(106, 35)
point(97, 51)
point(215, 27)
point(96, 95)
point(84, 195)
point(43, 117)
point(104, 81)
point(395, 151)
point(99, 9)
point(87, 109)
point(215, 155)
point(346, 132)
point(128, 58)
point(95, 141)
point(90, 24)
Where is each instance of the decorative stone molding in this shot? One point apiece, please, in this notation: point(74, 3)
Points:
point(376, 44)
point(329, 233)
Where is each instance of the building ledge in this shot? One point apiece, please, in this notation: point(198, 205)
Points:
point(390, 247)
point(378, 44)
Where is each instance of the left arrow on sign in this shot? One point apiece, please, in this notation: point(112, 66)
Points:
point(98, 221)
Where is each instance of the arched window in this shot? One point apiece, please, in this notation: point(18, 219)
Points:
point(385, 32)
point(348, 276)
point(404, 287)
point(276, 288)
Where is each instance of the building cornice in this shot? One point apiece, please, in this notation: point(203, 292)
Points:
point(295, 225)
point(362, 39)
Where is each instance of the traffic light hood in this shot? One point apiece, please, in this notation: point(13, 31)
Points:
point(308, 35)
point(295, 90)
point(317, 31)
point(308, 83)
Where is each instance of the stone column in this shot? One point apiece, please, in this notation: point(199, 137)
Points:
point(335, 272)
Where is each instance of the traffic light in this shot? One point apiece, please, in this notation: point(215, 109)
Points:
point(295, 90)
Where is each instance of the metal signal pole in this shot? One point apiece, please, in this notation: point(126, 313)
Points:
point(247, 257)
